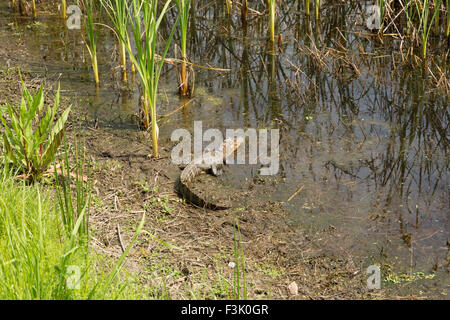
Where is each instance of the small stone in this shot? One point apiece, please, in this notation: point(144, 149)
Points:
point(293, 288)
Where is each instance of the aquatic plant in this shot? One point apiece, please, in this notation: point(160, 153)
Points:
point(117, 12)
point(425, 22)
point(382, 5)
point(244, 11)
point(447, 31)
point(91, 44)
point(408, 8)
point(183, 7)
point(317, 7)
point(229, 5)
point(272, 13)
point(33, 5)
point(64, 9)
point(33, 137)
point(145, 22)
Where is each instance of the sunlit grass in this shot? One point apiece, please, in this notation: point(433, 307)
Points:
point(33, 6)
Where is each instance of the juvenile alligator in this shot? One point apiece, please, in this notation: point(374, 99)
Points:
point(194, 169)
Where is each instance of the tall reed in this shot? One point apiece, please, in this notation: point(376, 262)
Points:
point(307, 7)
point(244, 11)
point(272, 12)
point(317, 7)
point(229, 5)
point(425, 22)
point(64, 9)
point(117, 12)
point(382, 5)
point(145, 23)
point(33, 6)
point(408, 13)
point(447, 7)
point(183, 7)
point(91, 44)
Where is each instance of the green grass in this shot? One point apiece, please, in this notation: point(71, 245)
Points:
point(38, 260)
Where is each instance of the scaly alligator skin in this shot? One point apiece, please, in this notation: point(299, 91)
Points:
point(192, 170)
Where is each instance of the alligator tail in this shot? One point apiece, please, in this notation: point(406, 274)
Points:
point(193, 198)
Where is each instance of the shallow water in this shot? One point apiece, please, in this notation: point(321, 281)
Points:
point(364, 135)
